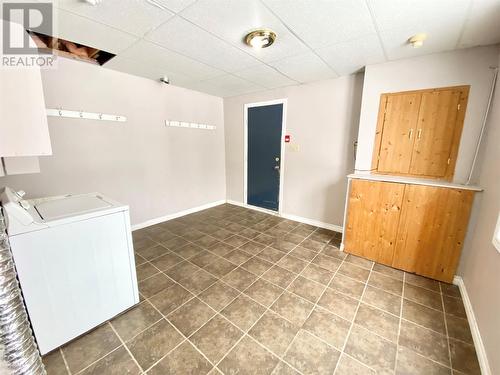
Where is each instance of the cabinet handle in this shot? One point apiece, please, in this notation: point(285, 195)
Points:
point(410, 133)
point(419, 134)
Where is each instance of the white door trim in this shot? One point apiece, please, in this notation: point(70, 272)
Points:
point(282, 156)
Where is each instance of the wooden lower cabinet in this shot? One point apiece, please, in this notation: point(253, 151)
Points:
point(416, 228)
point(373, 218)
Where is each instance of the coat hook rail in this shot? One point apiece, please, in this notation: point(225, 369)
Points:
point(183, 124)
point(55, 112)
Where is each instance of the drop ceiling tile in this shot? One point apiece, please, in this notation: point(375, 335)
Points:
point(305, 68)
point(151, 53)
point(321, 23)
point(483, 24)
point(232, 20)
point(183, 37)
point(398, 14)
point(146, 70)
point(350, 57)
point(132, 16)
point(225, 86)
point(90, 33)
point(266, 76)
point(440, 38)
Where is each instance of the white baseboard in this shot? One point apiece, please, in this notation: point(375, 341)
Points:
point(316, 223)
point(175, 215)
point(476, 335)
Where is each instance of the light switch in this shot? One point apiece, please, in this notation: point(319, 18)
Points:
point(294, 147)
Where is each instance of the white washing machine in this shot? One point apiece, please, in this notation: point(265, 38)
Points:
point(75, 261)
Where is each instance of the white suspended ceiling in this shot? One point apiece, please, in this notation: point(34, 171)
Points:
point(198, 44)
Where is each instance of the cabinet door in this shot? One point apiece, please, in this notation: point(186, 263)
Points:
point(431, 230)
point(398, 132)
point(372, 219)
point(436, 126)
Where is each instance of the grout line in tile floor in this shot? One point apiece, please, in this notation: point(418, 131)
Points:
point(100, 358)
point(64, 360)
point(123, 344)
point(326, 287)
point(337, 291)
point(354, 318)
point(446, 327)
point(400, 319)
point(180, 343)
point(341, 351)
point(267, 309)
point(313, 280)
point(315, 305)
point(216, 313)
point(163, 317)
point(361, 297)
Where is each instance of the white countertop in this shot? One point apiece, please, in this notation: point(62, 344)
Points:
point(412, 180)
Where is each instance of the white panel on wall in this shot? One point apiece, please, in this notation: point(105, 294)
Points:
point(21, 165)
point(23, 126)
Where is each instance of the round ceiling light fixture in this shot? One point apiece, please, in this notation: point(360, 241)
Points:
point(417, 40)
point(261, 38)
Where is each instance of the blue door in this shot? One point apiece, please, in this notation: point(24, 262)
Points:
point(264, 155)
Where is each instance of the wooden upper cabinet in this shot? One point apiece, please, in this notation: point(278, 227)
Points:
point(418, 132)
point(437, 120)
point(401, 115)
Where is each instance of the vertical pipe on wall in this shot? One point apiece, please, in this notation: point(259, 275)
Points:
point(483, 126)
point(19, 353)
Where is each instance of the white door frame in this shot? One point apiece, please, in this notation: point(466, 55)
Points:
point(282, 156)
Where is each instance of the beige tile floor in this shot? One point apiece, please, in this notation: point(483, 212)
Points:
point(230, 290)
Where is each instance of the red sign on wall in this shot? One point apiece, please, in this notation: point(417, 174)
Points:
point(287, 138)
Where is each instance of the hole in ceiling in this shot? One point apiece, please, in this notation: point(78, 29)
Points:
point(69, 49)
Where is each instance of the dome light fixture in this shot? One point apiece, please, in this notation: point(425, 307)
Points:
point(417, 40)
point(260, 38)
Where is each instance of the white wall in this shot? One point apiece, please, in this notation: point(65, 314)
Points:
point(322, 119)
point(154, 169)
point(461, 67)
point(480, 262)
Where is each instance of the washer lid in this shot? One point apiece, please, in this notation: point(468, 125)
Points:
point(70, 206)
